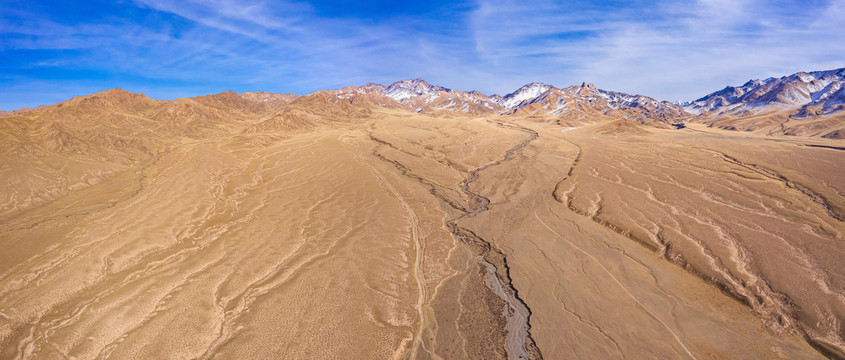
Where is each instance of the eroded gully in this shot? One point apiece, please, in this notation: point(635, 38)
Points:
point(519, 344)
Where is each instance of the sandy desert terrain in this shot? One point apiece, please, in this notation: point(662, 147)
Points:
point(369, 232)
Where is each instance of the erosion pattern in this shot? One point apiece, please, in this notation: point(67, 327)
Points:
point(389, 234)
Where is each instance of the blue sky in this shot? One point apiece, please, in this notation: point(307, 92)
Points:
point(672, 50)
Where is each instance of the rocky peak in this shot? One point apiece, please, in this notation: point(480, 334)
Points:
point(411, 88)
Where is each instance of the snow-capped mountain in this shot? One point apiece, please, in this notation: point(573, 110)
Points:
point(586, 101)
point(526, 92)
point(803, 94)
point(421, 96)
point(814, 93)
point(830, 100)
point(532, 98)
point(405, 89)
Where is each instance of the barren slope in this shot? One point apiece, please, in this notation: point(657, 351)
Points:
point(332, 228)
point(759, 218)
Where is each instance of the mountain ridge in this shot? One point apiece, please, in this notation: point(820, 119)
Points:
point(755, 94)
point(796, 91)
point(804, 103)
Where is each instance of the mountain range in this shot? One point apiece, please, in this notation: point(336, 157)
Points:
point(410, 220)
point(813, 93)
point(805, 103)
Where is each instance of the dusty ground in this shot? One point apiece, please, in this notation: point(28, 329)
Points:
point(374, 238)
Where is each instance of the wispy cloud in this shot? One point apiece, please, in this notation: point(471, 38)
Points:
point(669, 50)
point(256, 20)
point(166, 48)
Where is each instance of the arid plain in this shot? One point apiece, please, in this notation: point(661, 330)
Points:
point(222, 227)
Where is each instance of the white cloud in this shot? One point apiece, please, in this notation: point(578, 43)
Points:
point(668, 50)
point(671, 51)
